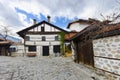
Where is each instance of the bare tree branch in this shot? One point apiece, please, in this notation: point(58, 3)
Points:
point(4, 32)
point(103, 16)
point(118, 1)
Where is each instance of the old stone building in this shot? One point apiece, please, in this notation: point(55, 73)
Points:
point(97, 46)
point(107, 52)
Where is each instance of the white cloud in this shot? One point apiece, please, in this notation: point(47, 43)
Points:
point(88, 12)
point(23, 18)
point(55, 8)
point(8, 15)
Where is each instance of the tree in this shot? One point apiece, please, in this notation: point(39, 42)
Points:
point(114, 16)
point(4, 32)
point(5, 47)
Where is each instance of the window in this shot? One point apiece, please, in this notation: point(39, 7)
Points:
point(56, 48)
point(42, 29)
point(27, 38)
point(12, 49)
point(31, 48)
point(56, 38)
point(43, 38)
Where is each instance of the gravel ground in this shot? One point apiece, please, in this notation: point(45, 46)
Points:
point(41, 68)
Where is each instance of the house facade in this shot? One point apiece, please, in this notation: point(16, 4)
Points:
point(97, 46)
point(42, 38)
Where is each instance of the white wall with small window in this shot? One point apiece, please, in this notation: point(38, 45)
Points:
point(17, 49)
point(47, 37)
point(39, 49)
point(35, 43)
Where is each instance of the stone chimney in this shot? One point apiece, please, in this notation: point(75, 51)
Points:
point(48, 18)
point(34, 21)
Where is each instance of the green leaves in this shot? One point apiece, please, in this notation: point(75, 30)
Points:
point(62, 35)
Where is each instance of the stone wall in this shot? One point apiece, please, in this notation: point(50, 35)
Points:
point(107, 56)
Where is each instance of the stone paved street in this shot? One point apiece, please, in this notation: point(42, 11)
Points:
point(44, 68)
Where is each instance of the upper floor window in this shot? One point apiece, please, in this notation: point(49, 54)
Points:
point(27, 38)
point(42, 29)
point(56, 38)
point(31, 48)
point(43, 38)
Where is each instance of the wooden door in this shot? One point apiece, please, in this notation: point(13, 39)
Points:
point(45, 50)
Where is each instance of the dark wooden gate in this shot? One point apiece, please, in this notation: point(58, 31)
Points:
point(85, 53)
point(45, 50)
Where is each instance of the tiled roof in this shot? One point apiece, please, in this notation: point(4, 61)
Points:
point(69, 35)
point(4, 42)
point(1, 39)
point(100, 29)
point(110, 27)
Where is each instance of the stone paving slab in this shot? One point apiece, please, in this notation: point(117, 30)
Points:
point(40, 68)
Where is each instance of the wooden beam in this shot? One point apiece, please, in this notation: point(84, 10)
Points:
point(42, 33)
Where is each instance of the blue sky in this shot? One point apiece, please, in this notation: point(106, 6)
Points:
point(19, 14)
point(59, 21)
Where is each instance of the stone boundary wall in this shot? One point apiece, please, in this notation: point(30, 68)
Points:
point(107, 56)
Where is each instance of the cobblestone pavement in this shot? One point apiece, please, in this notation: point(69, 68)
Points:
point(44, 68)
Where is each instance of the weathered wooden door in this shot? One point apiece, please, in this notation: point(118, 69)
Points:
point(85, 53)
point(45, 50)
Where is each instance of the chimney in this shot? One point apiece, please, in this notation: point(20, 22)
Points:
point(48, 18)
point(34, 21)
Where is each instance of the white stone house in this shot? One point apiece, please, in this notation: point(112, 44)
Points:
point(42, 38)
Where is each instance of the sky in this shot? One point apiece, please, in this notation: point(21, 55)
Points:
point(19, 14)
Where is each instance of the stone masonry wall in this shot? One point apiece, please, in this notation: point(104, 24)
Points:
point(107, 55)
